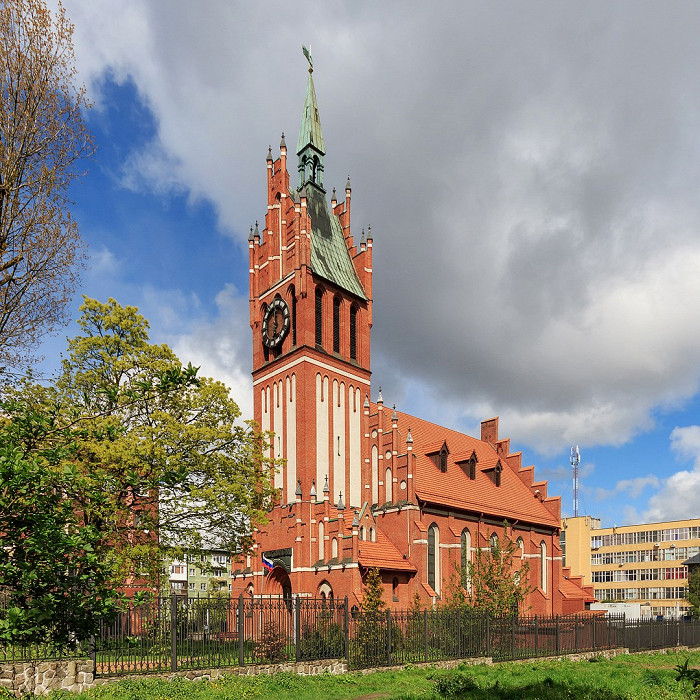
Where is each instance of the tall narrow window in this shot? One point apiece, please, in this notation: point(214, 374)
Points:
point(466, 542)
point(319, 316)
point(336, 324)
point(388, 486)
point(294, 317)
point(543, 566)
point(353, 332)
point(433, 545)
point(321, 554)
point(466, 550)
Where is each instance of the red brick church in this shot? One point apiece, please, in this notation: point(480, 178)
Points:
point(362, 484)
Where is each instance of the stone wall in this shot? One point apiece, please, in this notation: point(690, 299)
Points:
point(41, 677)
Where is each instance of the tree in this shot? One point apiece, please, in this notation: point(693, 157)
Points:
point(694, 590)
point(52, 583)
point(42, 138)
point(491, 582)
point(134, 458)
point(373, 593)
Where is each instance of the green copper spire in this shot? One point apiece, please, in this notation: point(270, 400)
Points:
point(310, 146)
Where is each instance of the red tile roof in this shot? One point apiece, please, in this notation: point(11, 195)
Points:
point(512, 500)
point(382, 554)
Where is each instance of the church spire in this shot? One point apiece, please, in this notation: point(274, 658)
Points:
point(310, 146)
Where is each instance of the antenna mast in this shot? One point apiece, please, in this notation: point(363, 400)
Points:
point(575, 461)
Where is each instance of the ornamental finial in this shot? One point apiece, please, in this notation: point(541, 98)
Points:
point(307, 53)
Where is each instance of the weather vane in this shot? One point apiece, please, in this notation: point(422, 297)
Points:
point(307, 53)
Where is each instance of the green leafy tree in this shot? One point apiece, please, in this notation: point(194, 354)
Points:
point(373, 593)
point(491, 582)
point(135, 459)
point(53, 583)
point(694, 590)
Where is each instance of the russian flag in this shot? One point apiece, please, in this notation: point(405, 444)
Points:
point(267, 563)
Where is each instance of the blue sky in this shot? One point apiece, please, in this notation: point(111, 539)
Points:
point(530, 174)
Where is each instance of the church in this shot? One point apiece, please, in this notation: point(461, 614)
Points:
point(363, 485)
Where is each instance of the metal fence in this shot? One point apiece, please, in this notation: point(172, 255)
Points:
point(176, 633)
point(179, 634)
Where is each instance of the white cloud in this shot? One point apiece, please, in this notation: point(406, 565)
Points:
point(221, 347)
point(679, 495)
point(631, 488)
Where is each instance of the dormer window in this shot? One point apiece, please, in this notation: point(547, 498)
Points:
point(469, 465)
point(494, 473)
point(439, 457)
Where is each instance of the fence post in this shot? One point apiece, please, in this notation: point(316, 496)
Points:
point(576, 633)
point(624, 631)
point(537, 634)
point(425, 632)
point(557, 638)
point(297, 628)
point(93, 653)
point(388, 637)
point(347, 633)
point(241, 630)
point(594, 620)
point(488, 635)
point(173, 632)
point(512, 637)
point(459, 634)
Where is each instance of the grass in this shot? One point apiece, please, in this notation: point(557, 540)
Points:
point(628, 677)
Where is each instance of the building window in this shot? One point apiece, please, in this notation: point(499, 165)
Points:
point(353, 332)
point(336, 324)
point(466, 547)
point(334, 549)
point(320, 541)
point(433, 559)
point(319, 316)
point(388, 486)
point(493, 543)
point(294, 315)
point(372, 536)
point(395, 590)
point(543, 566)
point(362, 534)
point(443, 459)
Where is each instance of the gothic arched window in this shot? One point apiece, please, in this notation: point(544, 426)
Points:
point(353, 332)
point(433, 557)
point(543, 566)
point(319, 316)
point(336, 324)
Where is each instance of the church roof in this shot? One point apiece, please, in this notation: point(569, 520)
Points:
point(382, 554)
point(330, 257)
point(310, 131)
point(512, 500)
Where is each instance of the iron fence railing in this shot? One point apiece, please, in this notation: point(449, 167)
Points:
point(177, 633)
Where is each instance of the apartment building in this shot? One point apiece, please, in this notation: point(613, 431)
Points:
point(201, 574)
point(633, 563)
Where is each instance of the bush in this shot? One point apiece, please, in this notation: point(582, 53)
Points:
point(453, 684)
point(271, 645)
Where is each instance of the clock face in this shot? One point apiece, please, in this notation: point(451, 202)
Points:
point(275, 325)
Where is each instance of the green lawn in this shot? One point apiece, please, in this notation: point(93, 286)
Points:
point(633, 677)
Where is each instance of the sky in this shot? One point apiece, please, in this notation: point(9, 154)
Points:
point(530, 172)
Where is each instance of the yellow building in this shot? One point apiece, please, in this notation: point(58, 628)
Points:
point(633, 563)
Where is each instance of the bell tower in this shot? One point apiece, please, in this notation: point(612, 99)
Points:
point(311, 315)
